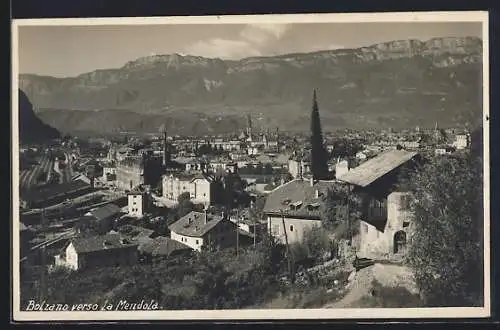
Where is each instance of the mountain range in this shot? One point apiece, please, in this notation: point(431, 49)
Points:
point(397, 84)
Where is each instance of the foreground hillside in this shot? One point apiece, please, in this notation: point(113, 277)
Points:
point(397, 84)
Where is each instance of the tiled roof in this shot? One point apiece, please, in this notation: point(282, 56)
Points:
point(105, 211)
point(375, 168)
point(194, 225)
point(297, 198)
point(162, 246)
point(101, 242)
point(135, 231)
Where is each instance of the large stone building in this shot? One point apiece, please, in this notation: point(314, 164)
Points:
point(130, 173)
point(138, 170)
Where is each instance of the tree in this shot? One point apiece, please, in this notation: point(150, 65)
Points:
point(182, 197)
point(319, 155)
point(446, 245)
point(342, 207)
point(317, 243)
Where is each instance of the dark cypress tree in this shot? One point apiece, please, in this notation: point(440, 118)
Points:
point(319, 156)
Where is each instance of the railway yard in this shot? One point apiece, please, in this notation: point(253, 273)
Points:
point(49, 174)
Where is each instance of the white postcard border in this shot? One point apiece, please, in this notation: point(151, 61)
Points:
point(256, 314)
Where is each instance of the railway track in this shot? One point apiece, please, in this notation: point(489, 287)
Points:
point(23, 175)
point(37, 170)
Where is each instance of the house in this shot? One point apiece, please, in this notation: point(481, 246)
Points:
point(298, 167)
point(200, 187)
point(341, 168)
point(105, 216)
point(411, 145)
point(105, 212)
point(361, 155)
point(203, 230)
point(97, 251)
point(139, 203)
point(295, 207)
point(444, 151)
point(247, 225)
point(385, 221)
point(164, 246)
point(462, 141)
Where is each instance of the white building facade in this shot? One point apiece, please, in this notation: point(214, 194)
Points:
point(200, 189)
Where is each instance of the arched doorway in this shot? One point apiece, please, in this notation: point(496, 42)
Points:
point(400, 242)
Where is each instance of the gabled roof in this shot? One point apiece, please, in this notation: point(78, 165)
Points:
point(105, 211)
point(375, 168)
point(162, 246)
point(193, 224)
point(294, 198)
point(101, 242)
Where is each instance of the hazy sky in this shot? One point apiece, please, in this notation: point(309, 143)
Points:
point(71, 50)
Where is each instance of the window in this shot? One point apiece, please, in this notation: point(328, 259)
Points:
point(377, 209)
point(276, 229)
point(197, 242)
point(291, 227)
point(365, 228)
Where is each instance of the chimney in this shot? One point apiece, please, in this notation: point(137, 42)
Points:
point(165, 151)
point(316, 193)
point(311, 181)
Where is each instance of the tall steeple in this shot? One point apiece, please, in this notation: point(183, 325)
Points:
point(166, 154)
point(249, 125)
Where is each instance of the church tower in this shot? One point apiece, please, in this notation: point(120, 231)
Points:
point(249, 126)
point(166, 151)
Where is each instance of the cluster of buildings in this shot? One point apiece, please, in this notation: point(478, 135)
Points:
point(277, 169)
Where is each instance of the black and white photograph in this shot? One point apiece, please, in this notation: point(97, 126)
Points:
point(305, 166)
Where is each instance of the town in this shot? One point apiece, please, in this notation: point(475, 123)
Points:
point(88, 204)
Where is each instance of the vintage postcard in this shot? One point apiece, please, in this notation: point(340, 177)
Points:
point(320, 166)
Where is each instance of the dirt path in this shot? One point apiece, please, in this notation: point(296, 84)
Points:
point(387, 275)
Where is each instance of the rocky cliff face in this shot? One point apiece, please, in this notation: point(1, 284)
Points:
point(397, 83)
point(31, 128)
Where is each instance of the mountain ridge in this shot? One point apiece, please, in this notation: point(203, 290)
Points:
point(31, 128)
point(401, 83)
